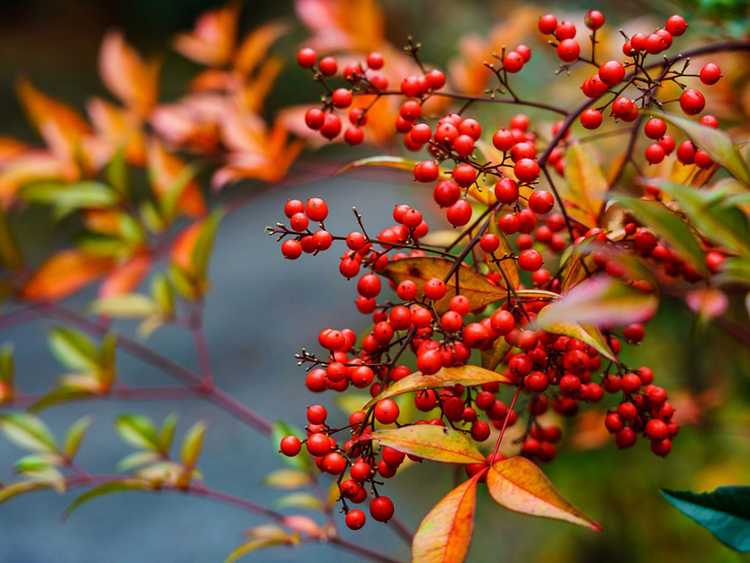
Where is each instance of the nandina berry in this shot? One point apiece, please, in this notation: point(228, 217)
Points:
point(692, 101)
point(446, 193)
point(360, 471)
point(526, 170)
point(334, 463)
point(612, 72)
point(435, 79)
point(464, 174)
point(655, 128)
point(565, 30)
point(656, 429)
point(480, 430)
point(434, 289)
point(328, 66)
point(530, 260)
point(354, 136)
point(524, 51)
point(503, 140)
point(676, 25)
point(291, 249)
point(375, 60)
point(411, 110)
point(625, 438)
point(316, 414)
point(506, 190)
point(594, 19)
point(661, 447)
point(703, 159)
point(306, 57)
point(547, 24)
point(386, 411)
point(541, 202)
point(655, 153)
point(314, 118)
point(426, 171)
point(623, 107)
point(489, 243)
point(316, 209)
point(290, 445)
point(369, 285)
point(355, 519)
point(710, 121)
point(710, 73)
point(591, 118)
point(331, 126)
point(381, 508)
point(630, 383)
point(513, 62)
point(318, 444)
point(568, 50)
point(459, 213)
point(521, 150)
point(686, 152)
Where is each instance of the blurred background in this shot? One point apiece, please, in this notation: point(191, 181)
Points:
point(262, 309)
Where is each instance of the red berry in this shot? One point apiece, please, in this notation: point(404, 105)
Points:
point(676, 25)
point(446, 193)
point(354, 136)
point(355, 519)
point(625, 438)
point(331, 126)
point(530, 260)
point(291, 249)
point(434, 289)
point(459, 213)
point(565, 30)
point(513, 62)
point(526, 170)
point(464, 174)
point(710, 73)
point(381, 508)
point(612, 73)
point(369, 285)
point(328, 66)
point(591, 118)
point(594, 19)
point(314, 118)
point(342, 97)
point(541, 202)
point(547, 24)
point(318, 444)
point(316, 414)
point(375, 61)
point(386, 411)
point(655, 128)
point(435, 79)
point(568, 50)
point(692, 101)
point(306, 57)
point(655, 153)
point(656, 429)
point(506, 190)
point(489, 243)
point(316, 209)
point(290, 445)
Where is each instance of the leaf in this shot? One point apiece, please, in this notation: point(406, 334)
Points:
point(586, 182)
point(445, 533)
point(173, 182)
point(166, 433)
point(255, 45)
point(69, 197)
point(138, 431)
point(715, 142)
point(395, 162)
point(75, 436)
point(117, 171)
point(725, 512)
point(204, 243)
point(669, 226)
point(492, 356)
point(28, 431)
point(254, 545)
point(64, 273)
point(130, 78)
point(467, 375)
point(287, 479)
point(193, 444)
point(35, 463)
point(475, 287)
point(716, 219)
point(589, 334)
point(211, 42)
point(61, 395)
point(119, 486)
point(519, 485)
point(600, 301)
point(279, 429)
point(129, 306)
point(299, 500)
point(7, 492)
point(73, 348)
point(10, 253)
point(436, 443)
point(7, 365)
point(137, 459)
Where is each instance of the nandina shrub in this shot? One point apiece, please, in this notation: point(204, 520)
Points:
point(483, 335)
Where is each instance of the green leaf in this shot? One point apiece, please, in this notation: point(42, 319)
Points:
point(709, 212)
point(131, 306)
point(118, 486)
point(436, 443)
point(138, 431)
point(28, 431)
point(725, 512)
point(74, 349)
point(163, 295)
point(279, 429)
point(299, 500)
point(166, 434)
point(117, 171)
point(599, 301)
point(107, 360)
point(715, 142)
point(68, 197)
point(669, 226)
point(7, 364)
point(192, 445)
point(735, 270)
point(396, 162)
point(7, 492)
point(205, 242)
point(35, 463)
point(137, 459)
point(75, 436)
point(169, 203)
point(254, 545)
point(60, 395)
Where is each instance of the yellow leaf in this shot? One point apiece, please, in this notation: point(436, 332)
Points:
point(587, 186)
point(436, 443)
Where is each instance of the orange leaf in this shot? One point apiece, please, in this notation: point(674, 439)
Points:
point(356, 25)
point(191, 123)
point(164, 171)
point(212, 40)
point(519, 485)
point(253, 48)
point(32, 167)
point(10, 148)
point(467, 375)
point(61, 126)
point(63, 274)
point(445, 533)
point(119, 128)
point(255, 91)
point(437, 443)
point(182, 248)
point(127, 75)
point(126, 277)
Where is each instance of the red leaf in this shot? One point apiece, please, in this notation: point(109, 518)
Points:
point(63, 274)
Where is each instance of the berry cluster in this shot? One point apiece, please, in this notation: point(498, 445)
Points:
point(513, 243)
